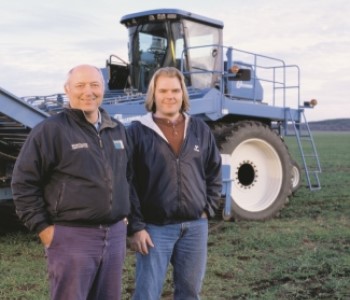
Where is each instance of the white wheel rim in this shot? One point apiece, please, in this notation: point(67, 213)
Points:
point(295, 177)
point(260, 192)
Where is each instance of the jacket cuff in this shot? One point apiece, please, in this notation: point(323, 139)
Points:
point(135, 227)
point(40, 227)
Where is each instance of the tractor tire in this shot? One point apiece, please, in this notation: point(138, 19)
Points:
point(260, 167)
point(296, 176)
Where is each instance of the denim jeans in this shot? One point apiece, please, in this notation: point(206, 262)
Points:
point(184, 245)
point(86, 262)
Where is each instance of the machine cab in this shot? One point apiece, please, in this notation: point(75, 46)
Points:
point(172, 37)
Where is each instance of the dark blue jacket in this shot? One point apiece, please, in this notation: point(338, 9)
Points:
point(68, 173)
point(171, 189)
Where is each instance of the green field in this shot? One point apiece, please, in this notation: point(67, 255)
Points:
point(303, 254)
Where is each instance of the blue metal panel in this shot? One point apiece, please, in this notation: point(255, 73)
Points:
point(227, 182)
point(19, 110)
point(125, 109)
point(212, 104)
point(209, 104)
point(5, 193)
point(256, 109)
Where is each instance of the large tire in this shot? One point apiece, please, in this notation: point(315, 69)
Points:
point(260, 167)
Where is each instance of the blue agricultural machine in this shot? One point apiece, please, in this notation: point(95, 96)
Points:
point(250, 101)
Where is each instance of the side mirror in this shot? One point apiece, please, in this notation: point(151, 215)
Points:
point(239, 74)
point(118, 77)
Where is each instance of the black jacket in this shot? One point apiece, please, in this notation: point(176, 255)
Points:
point(171, 189)
point(68, 173)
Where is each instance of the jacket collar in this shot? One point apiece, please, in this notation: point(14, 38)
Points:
point(147, 121)
point(78, 116)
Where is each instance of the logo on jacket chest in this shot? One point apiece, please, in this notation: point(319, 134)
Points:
point(79, 146)
point(196, 148)
point(118, 144)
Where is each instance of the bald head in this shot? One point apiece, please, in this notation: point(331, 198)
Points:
point(85, 89)
point(86, 68)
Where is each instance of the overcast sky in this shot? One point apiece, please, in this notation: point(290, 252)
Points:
point(41, 40)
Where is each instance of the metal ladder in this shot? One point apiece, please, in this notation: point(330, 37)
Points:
point(307, 149)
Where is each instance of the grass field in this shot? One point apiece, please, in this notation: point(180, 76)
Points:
point(303, 254)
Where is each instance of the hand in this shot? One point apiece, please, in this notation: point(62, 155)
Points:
point(140, 242)
point(46, 235)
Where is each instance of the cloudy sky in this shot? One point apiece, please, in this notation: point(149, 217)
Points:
point(41, 40)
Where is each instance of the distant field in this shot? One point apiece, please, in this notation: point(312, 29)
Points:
point(341, 125)
point(303, 254)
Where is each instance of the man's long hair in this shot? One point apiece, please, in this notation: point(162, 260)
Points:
point(168, 72)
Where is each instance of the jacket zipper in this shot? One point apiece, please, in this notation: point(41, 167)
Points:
point(178, 182)
point(99, 140)
point(110, 179)
point(179, 171)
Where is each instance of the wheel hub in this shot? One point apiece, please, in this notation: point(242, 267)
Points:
point(246, 174)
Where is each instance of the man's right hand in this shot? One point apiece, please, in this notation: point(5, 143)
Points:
point(140, 241)
point(46, 235)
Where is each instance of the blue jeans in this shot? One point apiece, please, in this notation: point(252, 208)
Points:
point(86, 262)
point(184, 245)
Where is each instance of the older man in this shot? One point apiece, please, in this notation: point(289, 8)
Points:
point(70, 186)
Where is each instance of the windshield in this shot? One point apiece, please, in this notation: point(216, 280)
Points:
point(154, 45)
point(188, 46)
point(204, 53)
